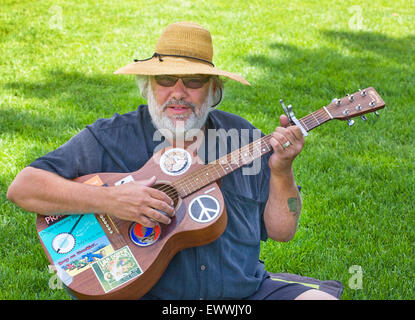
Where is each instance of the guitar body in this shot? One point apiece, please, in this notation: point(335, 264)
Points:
point(143, 260)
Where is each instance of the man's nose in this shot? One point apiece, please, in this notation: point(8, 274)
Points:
point(179, 90)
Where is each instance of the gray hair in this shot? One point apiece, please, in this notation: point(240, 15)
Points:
point(143, 81)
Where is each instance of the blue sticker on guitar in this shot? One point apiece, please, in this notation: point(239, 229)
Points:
point(75, 242)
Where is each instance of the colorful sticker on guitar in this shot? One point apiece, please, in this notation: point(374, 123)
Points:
point(175, 161)
point(144, 236)
point(95, 181)
point(116, 269)
point(124, 180)
point(75, 242)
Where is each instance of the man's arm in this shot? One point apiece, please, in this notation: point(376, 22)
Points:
point(46, 193)
point(283, 207)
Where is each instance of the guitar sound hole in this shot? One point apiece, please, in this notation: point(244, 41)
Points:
point(169, 190)
point(144, 236)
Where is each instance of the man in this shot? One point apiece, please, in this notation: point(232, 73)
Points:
point(181, 86)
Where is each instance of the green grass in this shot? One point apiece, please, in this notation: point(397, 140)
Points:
point(56, 76)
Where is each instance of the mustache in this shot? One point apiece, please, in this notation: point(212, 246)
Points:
point(178, 102)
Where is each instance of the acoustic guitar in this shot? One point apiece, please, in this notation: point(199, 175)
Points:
point(98, 256)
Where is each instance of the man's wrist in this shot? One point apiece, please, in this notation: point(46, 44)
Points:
point(283, 173)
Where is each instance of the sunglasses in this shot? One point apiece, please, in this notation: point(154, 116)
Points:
point(189, 82)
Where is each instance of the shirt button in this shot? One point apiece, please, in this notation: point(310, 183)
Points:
point(203, 267)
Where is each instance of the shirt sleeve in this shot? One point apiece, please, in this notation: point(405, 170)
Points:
point(81, 155)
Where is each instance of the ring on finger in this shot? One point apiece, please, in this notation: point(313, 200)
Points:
point(286, 145)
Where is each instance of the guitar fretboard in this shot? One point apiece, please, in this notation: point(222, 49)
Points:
point(316, 118)
point(221, 167)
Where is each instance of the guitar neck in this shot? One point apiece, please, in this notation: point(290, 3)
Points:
point(315, 119)
point(223, 166)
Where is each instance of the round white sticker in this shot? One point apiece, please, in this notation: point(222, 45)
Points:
point(175, 161)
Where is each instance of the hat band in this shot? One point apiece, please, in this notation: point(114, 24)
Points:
point(159, 56)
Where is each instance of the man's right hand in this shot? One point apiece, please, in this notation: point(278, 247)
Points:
point(137, 201)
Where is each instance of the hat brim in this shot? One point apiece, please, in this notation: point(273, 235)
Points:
point(175, 65)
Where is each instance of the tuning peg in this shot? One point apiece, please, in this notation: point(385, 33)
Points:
point(350, 122)
point(362, 93)
point(376, 113)
point(363, 118)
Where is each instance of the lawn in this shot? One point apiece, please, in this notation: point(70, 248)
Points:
point(358, 223)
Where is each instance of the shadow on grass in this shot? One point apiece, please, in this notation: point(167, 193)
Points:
point(399, 50)
point(61, 104)
point(314, 76)
point(308, 78)
point(76, 90)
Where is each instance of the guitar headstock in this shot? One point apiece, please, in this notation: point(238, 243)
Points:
point(356, 104)
point(352, 105)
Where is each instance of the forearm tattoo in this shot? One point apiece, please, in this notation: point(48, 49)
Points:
point(294, 204)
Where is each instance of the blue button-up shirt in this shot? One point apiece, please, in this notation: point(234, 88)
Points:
point(227, 268)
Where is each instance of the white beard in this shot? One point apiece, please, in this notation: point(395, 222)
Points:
point(180, 127)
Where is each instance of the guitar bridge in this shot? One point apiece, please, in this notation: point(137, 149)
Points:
point(107, 224)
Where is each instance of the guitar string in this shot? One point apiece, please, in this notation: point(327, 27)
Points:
point(212, 169)
point(317, 115)
point(321, 117)
point(311, 123)
point(241, 161)
point(213, 166)
point(203, 172)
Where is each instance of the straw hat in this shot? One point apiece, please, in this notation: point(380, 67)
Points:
point(183, 48)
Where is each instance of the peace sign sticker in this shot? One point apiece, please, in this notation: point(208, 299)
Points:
point(204, 209)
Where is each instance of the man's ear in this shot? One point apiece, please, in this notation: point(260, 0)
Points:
point(217, 90)
point(215, 85)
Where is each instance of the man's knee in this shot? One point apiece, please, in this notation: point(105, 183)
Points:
point(314, 294)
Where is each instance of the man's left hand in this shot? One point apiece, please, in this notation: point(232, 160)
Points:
point(287, 142)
